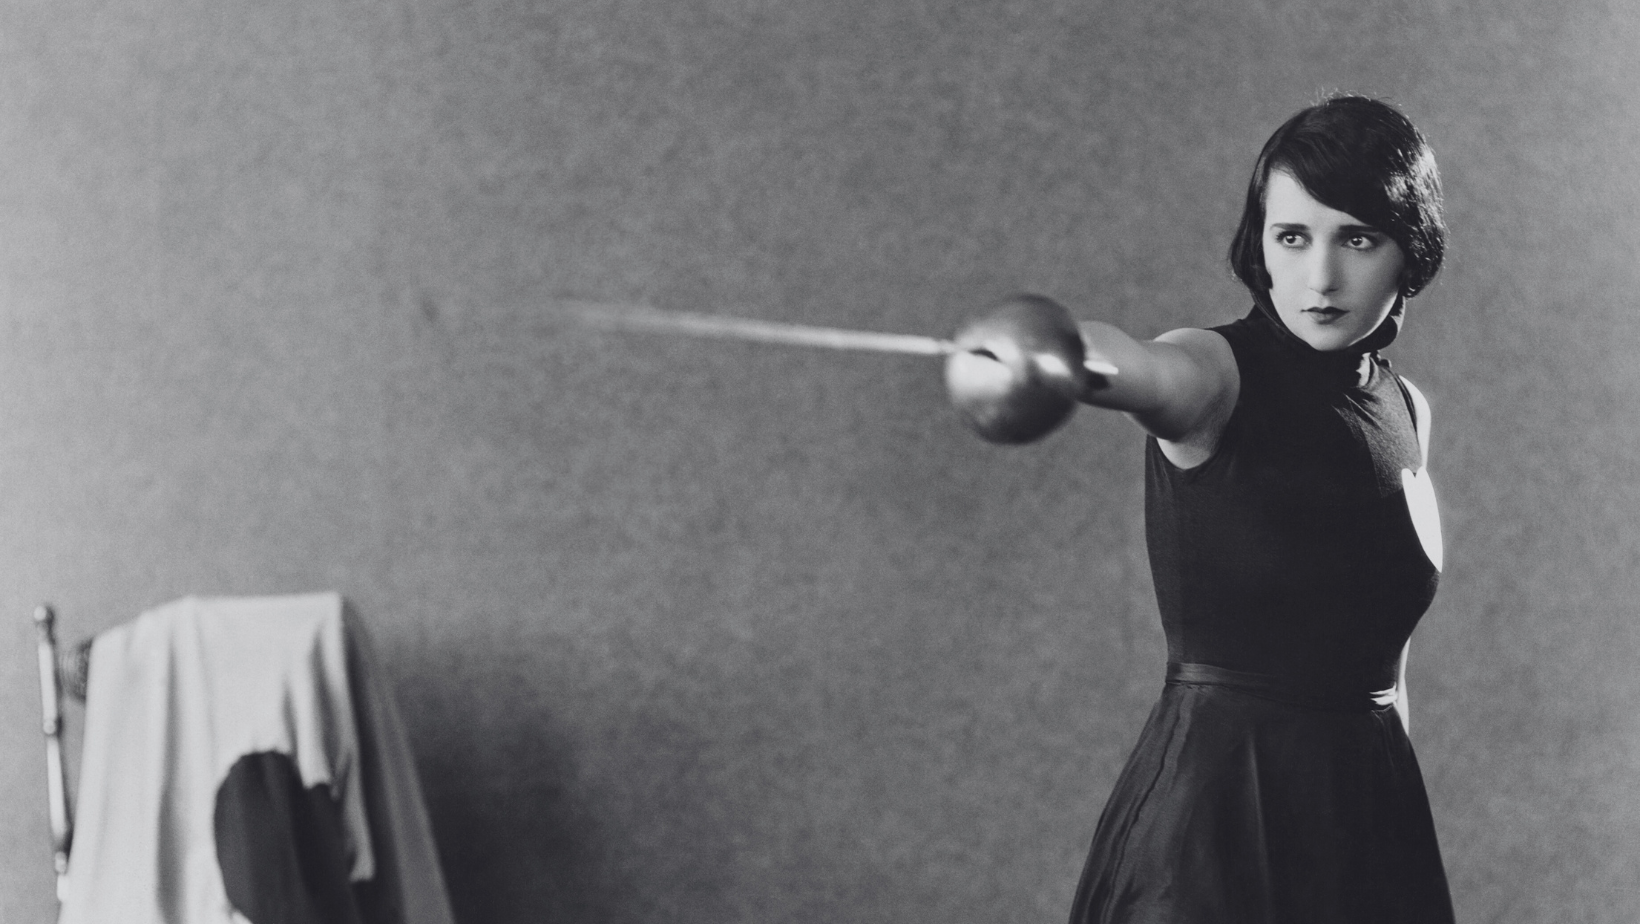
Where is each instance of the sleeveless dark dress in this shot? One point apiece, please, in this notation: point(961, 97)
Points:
point(1273, 781)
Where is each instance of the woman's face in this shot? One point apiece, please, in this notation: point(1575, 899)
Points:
point(1333, 277)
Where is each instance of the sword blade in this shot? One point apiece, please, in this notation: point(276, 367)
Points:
point(726, 327)
point(640, 318)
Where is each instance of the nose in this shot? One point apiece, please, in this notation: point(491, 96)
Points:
point(1323, 277)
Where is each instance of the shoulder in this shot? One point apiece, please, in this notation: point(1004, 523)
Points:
point(1209, 351)
point(1211, 378)
point(1239, 334)
point(1196, 338)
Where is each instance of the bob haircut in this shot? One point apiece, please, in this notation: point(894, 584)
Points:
point(1362, 157)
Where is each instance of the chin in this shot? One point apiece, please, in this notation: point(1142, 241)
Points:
point(1326, 338)
point(1329, 341)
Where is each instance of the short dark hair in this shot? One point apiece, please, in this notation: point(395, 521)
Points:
point(1360, 156)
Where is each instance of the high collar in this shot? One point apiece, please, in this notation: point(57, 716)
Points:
point(1351, 366)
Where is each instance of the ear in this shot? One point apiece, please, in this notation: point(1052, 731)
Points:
point(1411, 284)
point(1408, 289)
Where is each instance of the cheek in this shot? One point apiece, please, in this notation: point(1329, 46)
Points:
point(1386, 277)
point(1276, 268)
point(1287, 288)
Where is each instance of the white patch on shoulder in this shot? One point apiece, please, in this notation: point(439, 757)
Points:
point(1426, 517)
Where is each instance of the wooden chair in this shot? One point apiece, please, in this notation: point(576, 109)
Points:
point(60, 672)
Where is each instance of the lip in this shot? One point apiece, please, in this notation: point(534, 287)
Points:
point(1325, 313)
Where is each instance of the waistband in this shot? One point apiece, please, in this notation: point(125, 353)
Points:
point(1305, 692)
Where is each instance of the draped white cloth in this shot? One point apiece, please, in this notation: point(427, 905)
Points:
point(185, 690)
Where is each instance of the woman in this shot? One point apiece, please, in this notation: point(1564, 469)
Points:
point(1294, 545)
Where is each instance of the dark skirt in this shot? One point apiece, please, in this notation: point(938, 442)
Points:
point(1243, 804)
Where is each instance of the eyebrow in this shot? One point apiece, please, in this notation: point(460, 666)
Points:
point(1301, 226)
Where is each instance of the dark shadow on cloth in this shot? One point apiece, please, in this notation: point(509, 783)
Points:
point(280, 846)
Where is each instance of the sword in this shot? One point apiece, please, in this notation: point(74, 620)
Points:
point(1014, 372)
point(727, 327)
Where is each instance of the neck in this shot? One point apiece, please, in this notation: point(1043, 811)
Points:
point(1382, 336)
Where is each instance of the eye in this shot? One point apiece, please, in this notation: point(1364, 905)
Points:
point(1290, 238)
point(1363, 242)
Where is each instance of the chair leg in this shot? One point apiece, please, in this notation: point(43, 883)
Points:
point(51, 691)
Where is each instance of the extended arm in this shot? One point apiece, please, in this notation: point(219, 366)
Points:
point(1179, 387)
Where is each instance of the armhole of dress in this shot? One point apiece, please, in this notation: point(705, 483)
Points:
point(1418, 405)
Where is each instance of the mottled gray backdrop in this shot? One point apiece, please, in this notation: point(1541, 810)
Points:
point(709, 632)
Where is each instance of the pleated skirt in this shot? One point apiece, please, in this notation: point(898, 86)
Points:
point(1242, 804)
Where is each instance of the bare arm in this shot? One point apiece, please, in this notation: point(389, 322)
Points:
point(1180, 387)
point(1402, 707)
point(1420, 425)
